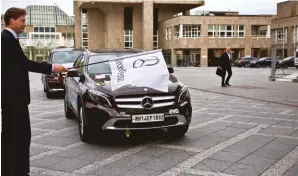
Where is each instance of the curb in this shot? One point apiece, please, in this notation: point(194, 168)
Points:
point(287, 80)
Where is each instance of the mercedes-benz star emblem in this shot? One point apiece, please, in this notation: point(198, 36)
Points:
point(147, 102)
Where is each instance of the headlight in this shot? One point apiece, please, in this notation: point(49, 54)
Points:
point(183, 94)
point(100, 98)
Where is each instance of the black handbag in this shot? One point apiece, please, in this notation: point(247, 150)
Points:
point(219, 71)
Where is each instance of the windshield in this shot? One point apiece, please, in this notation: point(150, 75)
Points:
point(289, 58)
point(103, 68)
point(65, 56)
point(263, 58)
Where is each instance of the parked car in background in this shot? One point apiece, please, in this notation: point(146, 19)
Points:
point(285, 63)
point(244, 61)
point(296, 58)
point(66, 56)
point(90, 99)
point(263, 62)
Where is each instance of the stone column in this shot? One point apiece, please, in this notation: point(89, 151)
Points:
point(181, 31)
point(77, 12)
point(247, 50)
point(30, 53)
point(268, 31)
point(204, 57)
point(148, 25)
point(173, 58)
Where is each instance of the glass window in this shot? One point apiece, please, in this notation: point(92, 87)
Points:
point(36, 29)
point(85, 35)
point(65, 56)
point(41, 29)
point(52, 29)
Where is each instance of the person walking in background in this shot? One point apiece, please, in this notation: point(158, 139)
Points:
point(225, 63)
point(15, 91)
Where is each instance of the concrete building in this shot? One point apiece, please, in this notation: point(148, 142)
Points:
point(47, 27)
point(186, 40)
point(284, 29)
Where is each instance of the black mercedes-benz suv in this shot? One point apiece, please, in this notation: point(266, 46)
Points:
point(90, 99)
point(62, 55)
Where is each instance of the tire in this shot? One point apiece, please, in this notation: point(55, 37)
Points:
point(258, 66)
point(68, 112)
point(178, 131)
point(84, 130)
point(297, 67)
point(49, 94)
point(285, 66)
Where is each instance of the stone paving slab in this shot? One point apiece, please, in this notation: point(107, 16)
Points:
point(229, 135)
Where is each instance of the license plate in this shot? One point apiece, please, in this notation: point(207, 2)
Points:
point(143, 118)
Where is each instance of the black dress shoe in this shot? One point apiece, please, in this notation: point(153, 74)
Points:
point(223, 85)
point(228, 84)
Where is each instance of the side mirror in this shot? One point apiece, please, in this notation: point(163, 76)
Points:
point(171, 69)
point(73, 73)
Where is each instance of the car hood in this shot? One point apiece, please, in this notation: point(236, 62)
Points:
point(103, 84)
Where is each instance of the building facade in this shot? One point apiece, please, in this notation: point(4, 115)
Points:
point(47, 27)
point(284, 29)
point(186, 40)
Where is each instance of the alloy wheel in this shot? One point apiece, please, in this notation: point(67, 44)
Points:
point(82, 123)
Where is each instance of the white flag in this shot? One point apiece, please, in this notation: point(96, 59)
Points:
point(147, 69)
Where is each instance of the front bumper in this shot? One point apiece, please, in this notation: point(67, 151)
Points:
point(110, 119)
point(126, 123)
point(55, 85)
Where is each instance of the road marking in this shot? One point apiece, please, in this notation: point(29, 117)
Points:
point(190, 149)
point(283, 165)
point(209, 152)
point(286, 111)
point(41, 155)
point(199, 172)
point(279, 136)
point(113, 158)
point(210, 122)
point(53, 132)
point(46, 113)
point(53, 149)
point(40, 129)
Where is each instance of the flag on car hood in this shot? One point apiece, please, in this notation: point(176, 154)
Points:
point(146, 69)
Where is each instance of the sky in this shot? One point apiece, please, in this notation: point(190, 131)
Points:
point(242, 6)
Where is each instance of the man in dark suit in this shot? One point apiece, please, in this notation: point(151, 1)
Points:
point(15, 91)
point(225, 64)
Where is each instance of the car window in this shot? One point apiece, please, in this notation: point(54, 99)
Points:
point(81, 63)
point(103, 68)
point(65, 56)
point(77, 62)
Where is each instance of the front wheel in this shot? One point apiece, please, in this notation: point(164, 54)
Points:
point(85, 132)
point(178, 131)
point(68, 112)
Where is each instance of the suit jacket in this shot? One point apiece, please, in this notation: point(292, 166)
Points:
point(15, 87)
point(225, 60)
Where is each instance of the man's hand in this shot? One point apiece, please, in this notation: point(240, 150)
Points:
point(59, 68)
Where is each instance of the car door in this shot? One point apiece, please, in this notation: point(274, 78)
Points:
point(268, 62)
point(73, 84)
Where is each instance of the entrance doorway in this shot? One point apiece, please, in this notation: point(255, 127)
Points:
point(189, 58)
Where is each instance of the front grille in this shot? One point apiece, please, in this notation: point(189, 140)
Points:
point(129, 124)
point(135, 102)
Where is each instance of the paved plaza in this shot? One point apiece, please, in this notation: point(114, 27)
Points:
point(248, 129)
